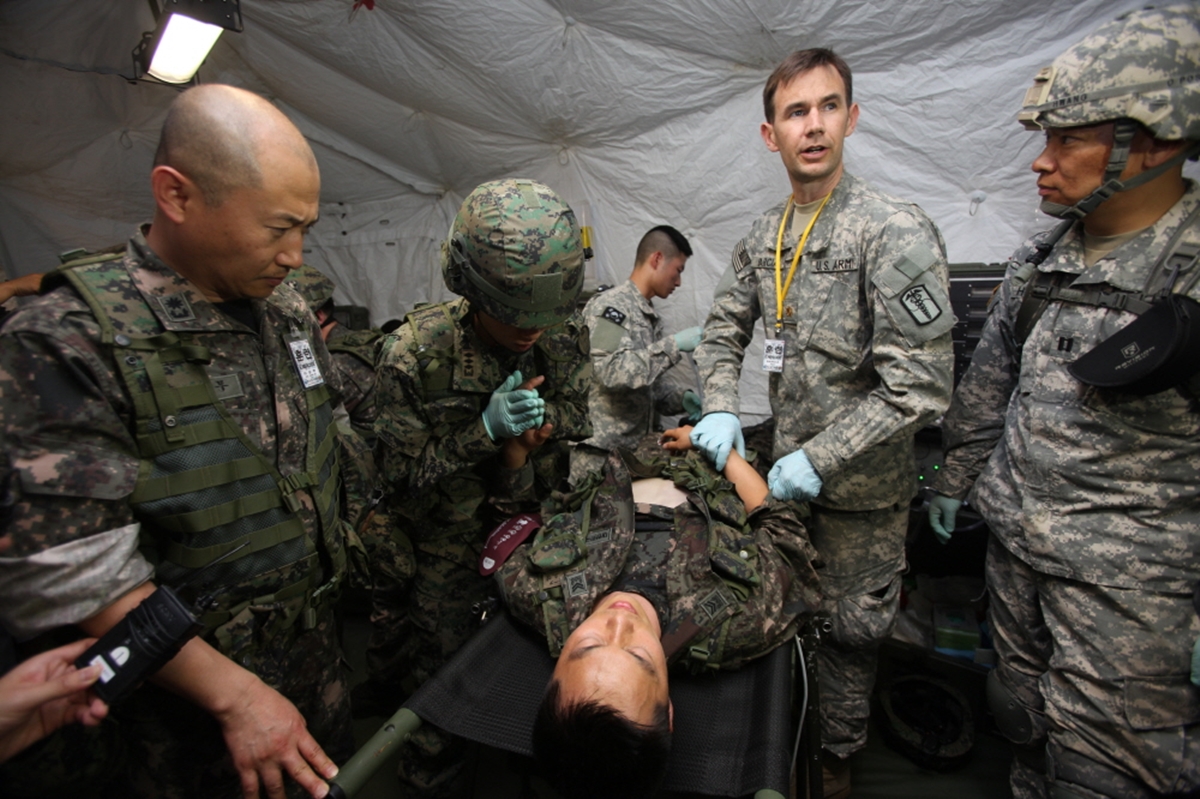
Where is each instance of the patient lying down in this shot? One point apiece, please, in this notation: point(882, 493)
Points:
point(657, 563)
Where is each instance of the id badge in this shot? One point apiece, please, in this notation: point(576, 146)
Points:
point(306, 362)
point(773, 355)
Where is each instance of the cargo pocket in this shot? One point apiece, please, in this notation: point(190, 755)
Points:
point(866, 619)
point(1160, 703)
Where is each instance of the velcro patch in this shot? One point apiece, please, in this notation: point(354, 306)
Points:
point(920, 305)
point(507, 536)
point(713, 604)
point(613, 315)
point(741, 258)
point(576, 584)
point(227, 386)
point(176, 307)
point(833, 265)
point(599, 536)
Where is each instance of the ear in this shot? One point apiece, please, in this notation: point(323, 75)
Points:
point(174, 194)
point(853, 119)
point(1157, 151)
point(655, 260)
point(767, 131)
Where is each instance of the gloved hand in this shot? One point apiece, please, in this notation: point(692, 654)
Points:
point(1196, 663)
point(942, 511)
point(692, 405)
point(793, 477)
point(687, 340)
point(716, 434)
point(512, 411)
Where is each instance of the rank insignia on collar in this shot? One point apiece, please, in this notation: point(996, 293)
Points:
point(613, 315)
point(176, 307)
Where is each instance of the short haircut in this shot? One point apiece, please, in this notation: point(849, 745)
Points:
point(665, 239)
point(216, 151)
point(797, 64)
point(587, 750)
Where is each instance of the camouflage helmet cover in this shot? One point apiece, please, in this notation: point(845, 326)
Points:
point(314, 287)
point(514, 251)
point(1144, 65)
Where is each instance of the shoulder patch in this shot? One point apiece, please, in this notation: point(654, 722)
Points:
point(920, 304)
point(613, 315)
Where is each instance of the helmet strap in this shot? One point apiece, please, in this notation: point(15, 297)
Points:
point(1117, 159)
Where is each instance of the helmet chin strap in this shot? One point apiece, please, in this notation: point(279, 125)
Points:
point(1122, 139)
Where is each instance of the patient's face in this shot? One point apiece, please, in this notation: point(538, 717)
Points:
point(615, 658)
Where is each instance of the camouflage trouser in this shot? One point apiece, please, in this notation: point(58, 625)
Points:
point(446, 592)
point(392, 566)
point(179, 748)
point(1022, 644)
point(863, 554)
point(1123, 719)
point(156, 744)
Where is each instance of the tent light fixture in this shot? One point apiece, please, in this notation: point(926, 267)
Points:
point(186, 32)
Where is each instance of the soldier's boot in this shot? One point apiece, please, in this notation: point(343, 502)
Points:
point(835, 775)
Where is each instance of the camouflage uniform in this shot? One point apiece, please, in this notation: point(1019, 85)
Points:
point(85, 532)
point(639, 373)
point(386, 566)
point(1091, 495)
point(868, 361)
point(446, 486)
point(354, 354)
point(736, 584)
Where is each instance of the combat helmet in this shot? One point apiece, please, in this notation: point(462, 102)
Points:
point(1143, 67)
point(314, 287)
point(514, 251)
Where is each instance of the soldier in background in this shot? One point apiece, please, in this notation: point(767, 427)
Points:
point(141, 392)
point(1087, 478)
point(389, 562)
point(639, 371)
point(851, 286)
point(354, 351)
point(456, 381)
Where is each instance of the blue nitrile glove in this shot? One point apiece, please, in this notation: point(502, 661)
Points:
point(942, 512)
point(512, 411)
point(1196, 663)
point(692, 405)
point(688, 340)
point(716, 434)
point(793, 477)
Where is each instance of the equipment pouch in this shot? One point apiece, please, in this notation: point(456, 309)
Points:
point(1158, 350)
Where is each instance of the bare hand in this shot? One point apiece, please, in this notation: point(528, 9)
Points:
point(677, 439)
point(267, 736)
point(44, 693)
point(516, 450)
point(532, 383)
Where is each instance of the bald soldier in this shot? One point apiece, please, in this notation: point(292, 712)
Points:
point(166, 406)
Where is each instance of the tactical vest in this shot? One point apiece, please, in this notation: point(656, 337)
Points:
point(581, 550)
point(204, 489)
point(362, 344)
point(1036, 290)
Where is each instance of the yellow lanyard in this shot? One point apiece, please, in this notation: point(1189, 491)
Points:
point(782, 290)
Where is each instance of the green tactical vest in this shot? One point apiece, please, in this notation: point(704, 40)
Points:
point(203, 488)
point(553, 581)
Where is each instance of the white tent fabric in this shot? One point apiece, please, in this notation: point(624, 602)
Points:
point(637, 113)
